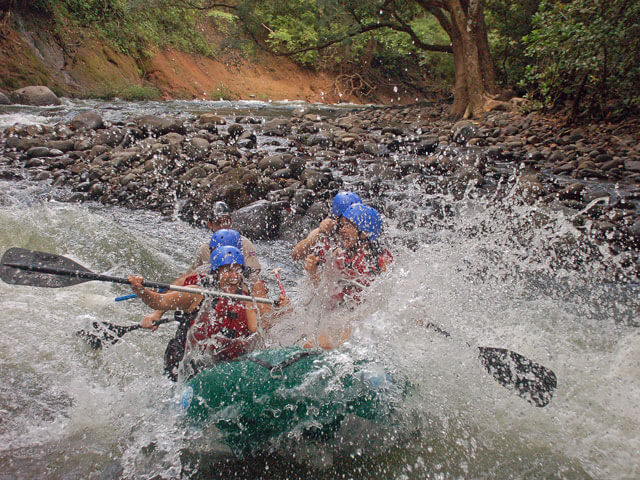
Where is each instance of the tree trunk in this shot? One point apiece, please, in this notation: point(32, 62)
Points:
point(474, 69)
point(486, 61)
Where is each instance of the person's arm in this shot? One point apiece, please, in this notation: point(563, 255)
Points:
point(251, 261)
point(265, 310)
point(201, 258)
point(311, 266)
point(302, 249)
point(164, 301)
point(326, 343)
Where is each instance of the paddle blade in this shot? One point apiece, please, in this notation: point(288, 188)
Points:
point(31, 258)
point(532, 381)
point(105, 332)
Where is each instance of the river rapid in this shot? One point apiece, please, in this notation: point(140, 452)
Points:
point(483, 270)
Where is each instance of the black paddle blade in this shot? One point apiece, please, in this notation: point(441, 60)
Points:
point(105, 332)
point(10, 273)
point(532, 381)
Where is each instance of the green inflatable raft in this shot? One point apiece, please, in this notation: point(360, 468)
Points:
point(269, 393)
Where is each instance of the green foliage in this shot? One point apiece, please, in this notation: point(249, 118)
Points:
point(139, 93)
point(131, 93)
point(299, 27)
point(134, 27)
point(509, 21)
point(585, 49)
point(222, 92)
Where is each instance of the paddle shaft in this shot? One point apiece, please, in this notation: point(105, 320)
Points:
point(110, 278)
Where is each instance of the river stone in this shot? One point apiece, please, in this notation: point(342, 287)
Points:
point(611, 164)
point(427, 145)
point(38, 152)
point(62, 145)
point(303, 198)
point(463, 131)
point(86, 121)
point(123, 159)
point(4, 100)
point(83, 187)
point(529, 187)
point(296, 166)
point(98, 150)
point(349, 122)
point(171, 139)
point(43, 175)
point(235, 130)
point(110, 137)
point(258, 220)
point(35, 95)
point(196, 148)
point(277, 127)
point(83, 144)
point(247, 140)
point(632, 165)
point(22, 144)
point(211, 118)
point(323, 140)
point(315, 179)
point(127, 179)
point(557, 157)
point(195, 172)
point(273, 162)
point(10, 175)
point(159, 125)
point(573, 192)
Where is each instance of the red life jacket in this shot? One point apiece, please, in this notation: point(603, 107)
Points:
point(360, 267)
point(194, 279)
point(222, 332)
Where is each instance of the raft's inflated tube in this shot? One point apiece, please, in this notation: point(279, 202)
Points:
point(265, 395)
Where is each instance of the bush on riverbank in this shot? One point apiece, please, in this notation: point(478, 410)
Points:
point(585, 57)
point(133, 93)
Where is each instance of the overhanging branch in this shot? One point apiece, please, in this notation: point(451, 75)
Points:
point(195, 5)
point(364, 29)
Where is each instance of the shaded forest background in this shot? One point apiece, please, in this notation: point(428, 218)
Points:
point(580, 58)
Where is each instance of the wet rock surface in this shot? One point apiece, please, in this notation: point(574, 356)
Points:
point(279, 174)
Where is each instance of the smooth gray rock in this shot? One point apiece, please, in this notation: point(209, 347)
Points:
point(86, 121)
point(35, 95)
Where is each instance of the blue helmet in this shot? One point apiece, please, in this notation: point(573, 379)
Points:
point(225, 237)
point(342, 201)
point(225, 255)
point(365, 218)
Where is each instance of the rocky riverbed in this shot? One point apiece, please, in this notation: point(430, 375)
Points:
point(277, 174)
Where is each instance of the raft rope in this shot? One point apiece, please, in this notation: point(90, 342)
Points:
point(276, 371)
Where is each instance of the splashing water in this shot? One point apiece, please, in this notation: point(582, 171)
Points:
point(495, 274)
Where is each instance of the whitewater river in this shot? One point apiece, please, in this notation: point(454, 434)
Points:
point(487, 272)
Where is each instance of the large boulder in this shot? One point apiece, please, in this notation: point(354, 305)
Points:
point(259, 220)
point(4, 100)
point(37, 95)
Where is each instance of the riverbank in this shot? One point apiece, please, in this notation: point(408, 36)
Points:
point(278, 173)
point(79, 63)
